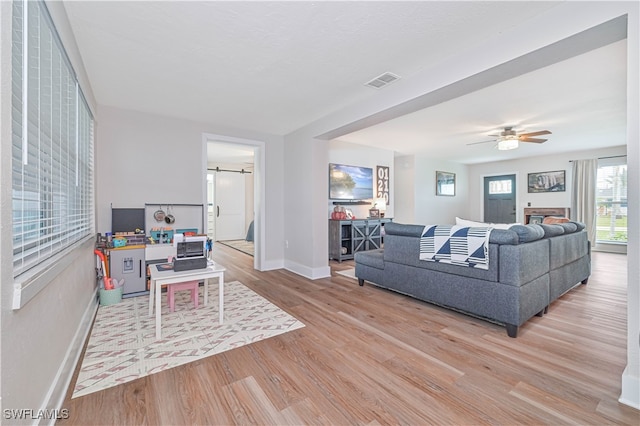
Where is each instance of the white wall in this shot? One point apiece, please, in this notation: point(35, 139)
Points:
point(145, 158)
point(522, 168)
point(305, 205)
point(415, 186)
point(431, 209)
point(631, 375)
point(40, 342)
point(403, 188)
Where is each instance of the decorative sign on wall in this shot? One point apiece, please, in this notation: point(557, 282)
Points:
point(382, 183)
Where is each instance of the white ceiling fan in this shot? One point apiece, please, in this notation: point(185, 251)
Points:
point(510, 139)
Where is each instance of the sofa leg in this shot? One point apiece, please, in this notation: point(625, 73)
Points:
point(512, 330)
point(546, 309)
point(360, 282)
point(585, 281)
point(541, 313)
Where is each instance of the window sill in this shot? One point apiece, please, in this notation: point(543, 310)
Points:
point(611, 247)
point(29, 284)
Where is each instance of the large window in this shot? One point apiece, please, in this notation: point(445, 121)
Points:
point(612, 201)
point(52, 130)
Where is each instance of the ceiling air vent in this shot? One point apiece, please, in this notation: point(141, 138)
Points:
point(382, 80)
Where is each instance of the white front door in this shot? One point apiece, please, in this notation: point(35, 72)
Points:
point(229, 206)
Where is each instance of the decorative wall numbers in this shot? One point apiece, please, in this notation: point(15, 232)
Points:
point(382, 183)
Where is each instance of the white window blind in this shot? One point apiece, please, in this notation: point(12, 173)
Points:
point(52, 155)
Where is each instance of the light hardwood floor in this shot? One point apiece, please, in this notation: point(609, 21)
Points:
point(370, 356)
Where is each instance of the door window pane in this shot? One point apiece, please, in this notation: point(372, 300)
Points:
point(500, 186)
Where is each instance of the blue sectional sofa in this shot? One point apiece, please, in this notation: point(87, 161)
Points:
point(530, 266)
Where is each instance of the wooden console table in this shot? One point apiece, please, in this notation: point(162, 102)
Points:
point(347, 237)
point(544, 212)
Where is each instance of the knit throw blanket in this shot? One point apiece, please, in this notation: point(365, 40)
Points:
point(457, 245)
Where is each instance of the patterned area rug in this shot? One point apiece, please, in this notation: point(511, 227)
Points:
point(122, 345)
point(240, 245)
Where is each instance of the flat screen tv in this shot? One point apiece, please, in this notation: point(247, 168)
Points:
point(350, 182)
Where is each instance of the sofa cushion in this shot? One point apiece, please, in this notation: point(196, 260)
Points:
point(580, 226)
point(528, 233)
point(497, 236)
point(395, 228)
point(503, 236)
point(552, 230)
point(569, 227)
point(405, 250)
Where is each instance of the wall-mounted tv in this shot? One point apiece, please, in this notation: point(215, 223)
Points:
point(350, 182)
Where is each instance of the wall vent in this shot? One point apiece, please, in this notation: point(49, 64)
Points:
point(382, 80)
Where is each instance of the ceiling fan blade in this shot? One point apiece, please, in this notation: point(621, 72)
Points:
point(476, 143)
point(541, 132)
point(521, 139)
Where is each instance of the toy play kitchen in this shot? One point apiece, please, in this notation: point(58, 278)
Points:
point(145, 235)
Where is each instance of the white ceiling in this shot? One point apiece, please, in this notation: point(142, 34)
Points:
point(582, 101)
point(275, 67)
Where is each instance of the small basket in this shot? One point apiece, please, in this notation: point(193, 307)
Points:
point(110, 297)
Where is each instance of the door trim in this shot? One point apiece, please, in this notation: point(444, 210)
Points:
point(519, 209)
point(259, 188)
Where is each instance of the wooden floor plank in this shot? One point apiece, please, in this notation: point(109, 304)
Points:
point(370, 356)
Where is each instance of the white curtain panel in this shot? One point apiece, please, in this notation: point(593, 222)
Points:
point(583, 197)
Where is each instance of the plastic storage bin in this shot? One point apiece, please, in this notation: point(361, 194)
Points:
point(110, 297)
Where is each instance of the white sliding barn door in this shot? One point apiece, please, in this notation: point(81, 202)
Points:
point(229, 206)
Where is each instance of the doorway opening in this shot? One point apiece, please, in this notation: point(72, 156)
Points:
point(500, 199)
point(234, 194)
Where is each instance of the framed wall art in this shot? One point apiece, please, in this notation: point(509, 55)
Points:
point(546, 181)
point(445, 183)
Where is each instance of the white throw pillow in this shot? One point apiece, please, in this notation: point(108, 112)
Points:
point(464, 222)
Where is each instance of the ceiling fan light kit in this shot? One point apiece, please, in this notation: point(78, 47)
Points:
point(509, 142)
point(509, 139)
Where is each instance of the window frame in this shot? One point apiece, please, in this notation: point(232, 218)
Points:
point(610, 245)
point(69, 222)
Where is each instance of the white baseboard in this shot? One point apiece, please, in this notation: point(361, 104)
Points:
point(271, 265)
point(630, 390)
point(307, 272)
point(60, 386)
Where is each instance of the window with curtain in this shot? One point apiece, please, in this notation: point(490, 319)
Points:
point(52, 130)
point(612, 201)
